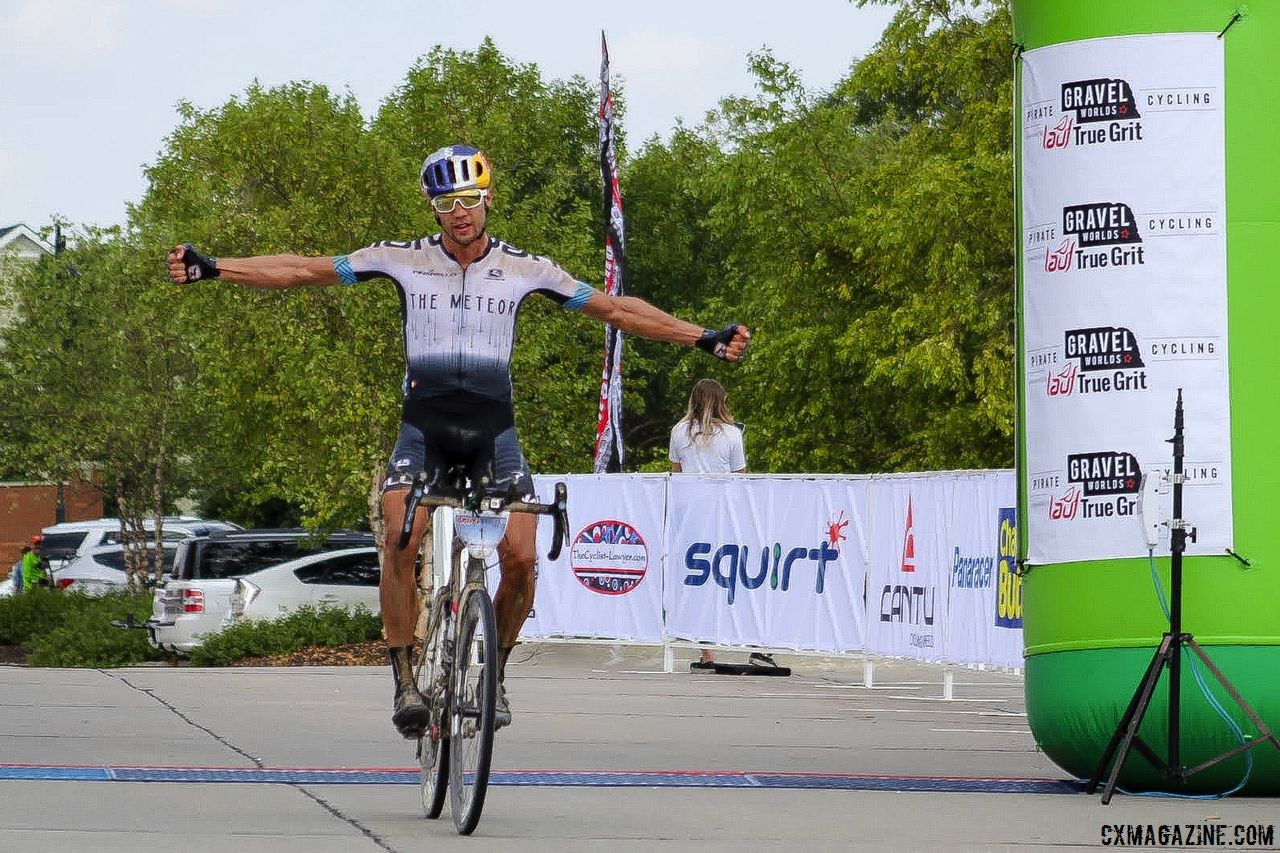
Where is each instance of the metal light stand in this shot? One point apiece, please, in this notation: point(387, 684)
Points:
point(1169, 654)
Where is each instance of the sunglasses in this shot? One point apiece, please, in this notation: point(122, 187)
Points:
point(469, 199)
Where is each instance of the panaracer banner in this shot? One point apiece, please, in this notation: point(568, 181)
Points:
point(1124, 293)
point(984, 597)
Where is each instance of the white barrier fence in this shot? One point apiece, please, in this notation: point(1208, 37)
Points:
point(916, 566)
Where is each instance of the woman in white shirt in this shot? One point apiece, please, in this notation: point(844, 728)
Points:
point(707, 441)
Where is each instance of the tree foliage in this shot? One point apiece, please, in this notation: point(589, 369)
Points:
point(862, 232)
point(864, 236)
point(84, 382)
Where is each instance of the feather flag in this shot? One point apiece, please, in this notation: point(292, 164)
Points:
point(609, 453)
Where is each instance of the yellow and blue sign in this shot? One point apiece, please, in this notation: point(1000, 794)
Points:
point(1008, 581)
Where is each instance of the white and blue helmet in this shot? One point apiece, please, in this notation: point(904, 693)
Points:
point(454, 168)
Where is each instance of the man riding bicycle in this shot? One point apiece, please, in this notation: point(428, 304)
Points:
point(460, 291)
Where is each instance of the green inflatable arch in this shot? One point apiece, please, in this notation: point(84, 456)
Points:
point(1091, 627)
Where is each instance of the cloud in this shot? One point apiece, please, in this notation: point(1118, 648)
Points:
point(660, 52)
point(79, 25)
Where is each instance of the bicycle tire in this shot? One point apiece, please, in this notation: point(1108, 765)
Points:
point(475, 690)
point(434, 683)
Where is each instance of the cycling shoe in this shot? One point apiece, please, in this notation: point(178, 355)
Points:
point(411, 714)
point(501, 709)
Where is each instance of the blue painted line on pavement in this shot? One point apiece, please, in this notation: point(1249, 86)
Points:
point(57, 774)
point(544, 778)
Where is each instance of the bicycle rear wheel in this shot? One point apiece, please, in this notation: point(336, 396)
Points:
point(475, 689)
point(433, 683)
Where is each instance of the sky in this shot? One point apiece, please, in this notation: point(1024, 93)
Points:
point(88, 88)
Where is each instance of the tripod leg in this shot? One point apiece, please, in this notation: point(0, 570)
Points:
point(1127, 728)
point(1267, 734)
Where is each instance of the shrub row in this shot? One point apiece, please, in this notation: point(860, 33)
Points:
point(58, 628)
point(306, 626)
point(63, 629)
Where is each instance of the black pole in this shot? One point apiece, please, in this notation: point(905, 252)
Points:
point(1177, 544)
point(60, 507)
point(1169, 654)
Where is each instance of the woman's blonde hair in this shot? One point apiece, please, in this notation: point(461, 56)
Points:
point(708, 410)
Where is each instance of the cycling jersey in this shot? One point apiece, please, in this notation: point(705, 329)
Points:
point(459, 325)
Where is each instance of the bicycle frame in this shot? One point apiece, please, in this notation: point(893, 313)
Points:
point(456, 604)
point(444, 552)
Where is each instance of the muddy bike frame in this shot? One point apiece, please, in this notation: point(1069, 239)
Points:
point(457, 670)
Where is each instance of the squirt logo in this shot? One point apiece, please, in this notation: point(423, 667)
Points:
point(609, 557)
point(1097, 111)
point(732, 566)
point(1096, 235)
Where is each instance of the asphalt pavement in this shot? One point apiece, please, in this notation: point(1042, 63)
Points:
point(607, 752)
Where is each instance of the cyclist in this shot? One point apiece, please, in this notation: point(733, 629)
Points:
point(460, 291)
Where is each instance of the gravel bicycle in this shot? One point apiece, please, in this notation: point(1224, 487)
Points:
point(457, 671)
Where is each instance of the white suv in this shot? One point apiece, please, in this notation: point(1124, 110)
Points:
point(195, 600)
point(88, 556)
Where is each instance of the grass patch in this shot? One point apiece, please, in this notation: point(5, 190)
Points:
point(307, 626)
point(65, 629)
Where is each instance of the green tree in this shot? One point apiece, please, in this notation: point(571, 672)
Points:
point(862, 233)
point(866, 237)
point(95, 376)
point(298, 389)
point(676, 262)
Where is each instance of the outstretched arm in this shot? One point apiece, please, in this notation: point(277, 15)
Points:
point(634, 316)
point(270, 272)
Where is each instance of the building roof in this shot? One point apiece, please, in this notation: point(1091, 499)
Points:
point(12, 236)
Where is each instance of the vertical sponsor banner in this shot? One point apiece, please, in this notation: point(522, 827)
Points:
point(609, 452)
point(776, 562)
point(608, 581)
point(910, 566)
point(984, 615)
point(1124, 291)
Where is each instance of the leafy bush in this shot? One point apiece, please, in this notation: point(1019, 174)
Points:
point(307, 626)
point(24, 616)
point(69, 629)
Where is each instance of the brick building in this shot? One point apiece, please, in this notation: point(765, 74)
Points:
point(26, 508)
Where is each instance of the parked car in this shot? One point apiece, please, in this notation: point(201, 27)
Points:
point(62, 542)
point(192, 603)
point(103, 569)
point(347, 578)
point(88, 556)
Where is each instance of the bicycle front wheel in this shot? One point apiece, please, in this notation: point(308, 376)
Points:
point(475, 689)
point(433, 682)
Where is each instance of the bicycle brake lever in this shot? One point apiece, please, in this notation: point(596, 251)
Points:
point(560, 536)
